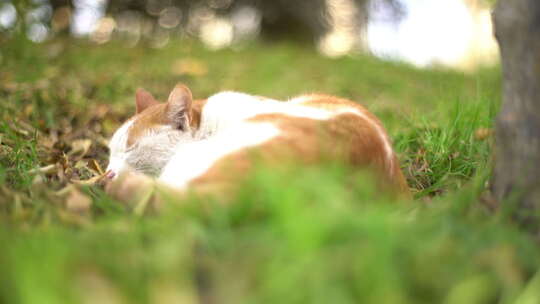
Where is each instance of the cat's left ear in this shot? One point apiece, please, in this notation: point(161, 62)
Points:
point(143, 100)
point(178, 108)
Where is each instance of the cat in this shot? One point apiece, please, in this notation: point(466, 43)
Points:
point(188, 144)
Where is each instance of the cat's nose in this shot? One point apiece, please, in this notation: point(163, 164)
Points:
point(110, 174)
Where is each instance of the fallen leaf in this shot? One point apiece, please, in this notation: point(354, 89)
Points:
point(10, 86)
point(89, 182)
point(101, 111)
point(80, 164)
point(28, 109)
point(21, 131)
point(482, 133)
point(189, 66)
point(80, 146)
point(94, 165)
point(455, 155)
point(49, 169)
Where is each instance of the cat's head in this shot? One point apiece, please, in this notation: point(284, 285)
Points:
point(147, 140)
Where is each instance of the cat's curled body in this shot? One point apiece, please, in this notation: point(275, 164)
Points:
point(186, 143)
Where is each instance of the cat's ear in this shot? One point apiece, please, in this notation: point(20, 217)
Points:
point(143, 100)
point(178, 109)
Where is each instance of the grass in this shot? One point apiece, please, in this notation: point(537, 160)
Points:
point(317, 234)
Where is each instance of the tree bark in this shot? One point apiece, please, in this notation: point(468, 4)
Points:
point(516, 176)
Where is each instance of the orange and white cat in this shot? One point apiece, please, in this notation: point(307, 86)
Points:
point(186, 143)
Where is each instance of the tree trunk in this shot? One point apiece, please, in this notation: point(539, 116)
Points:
point(62, 12)
point(516, 177)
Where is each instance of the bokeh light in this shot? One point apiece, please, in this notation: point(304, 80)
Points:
point(8, 15)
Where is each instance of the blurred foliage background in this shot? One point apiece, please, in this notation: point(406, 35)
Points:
point(401, 29)
point(68, 73)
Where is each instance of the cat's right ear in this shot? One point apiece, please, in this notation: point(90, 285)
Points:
point(143, 100)
point(178, 108)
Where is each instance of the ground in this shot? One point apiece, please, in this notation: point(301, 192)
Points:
point(317, 234)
